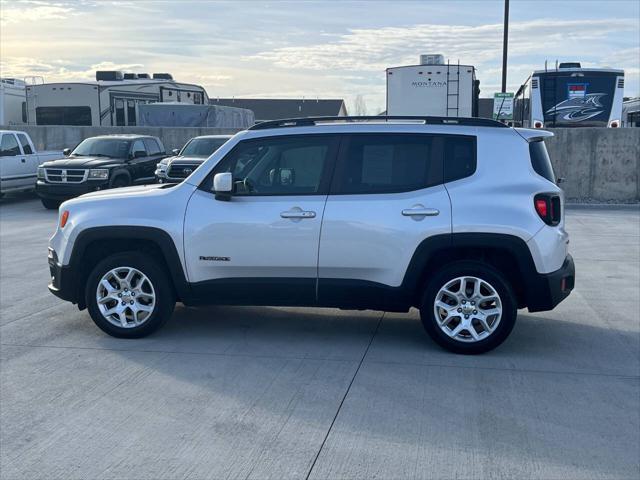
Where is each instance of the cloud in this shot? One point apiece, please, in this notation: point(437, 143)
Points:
point(34, 11)
point(376, 49)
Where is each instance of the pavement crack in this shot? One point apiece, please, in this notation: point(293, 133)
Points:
point(344, 397)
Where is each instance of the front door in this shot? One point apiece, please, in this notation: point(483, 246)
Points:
point(261, 246)
point(15, 171)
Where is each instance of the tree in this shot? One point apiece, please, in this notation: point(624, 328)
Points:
point(359, 106)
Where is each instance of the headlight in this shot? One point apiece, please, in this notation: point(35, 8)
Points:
point(41, 175)
point(99, 174)
point(162, 167)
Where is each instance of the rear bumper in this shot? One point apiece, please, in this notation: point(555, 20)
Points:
point(548, 290)
point(61, 191)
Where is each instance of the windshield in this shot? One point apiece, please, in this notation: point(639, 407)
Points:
point(103, 147)
point(202, 147)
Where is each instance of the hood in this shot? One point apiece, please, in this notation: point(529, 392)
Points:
point(84, 162)
point(126, 191)
point(187, 160)
point(190, 160)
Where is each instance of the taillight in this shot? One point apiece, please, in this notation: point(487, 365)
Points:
point(63, 218)
point(537, 125)
point(548, 208)
point(614, 124)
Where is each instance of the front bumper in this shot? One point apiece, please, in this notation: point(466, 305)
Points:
point(548, 290)
point(63, 280)
point(65, 191)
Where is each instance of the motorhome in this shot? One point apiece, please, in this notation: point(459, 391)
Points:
point(433, 88)
point(13, 107)
point(111, 100)
point(569, 95)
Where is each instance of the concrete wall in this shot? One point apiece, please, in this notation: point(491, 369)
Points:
point(60, 137)
point(599, 164)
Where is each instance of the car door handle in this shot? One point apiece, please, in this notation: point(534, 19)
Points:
point(420, 212)
point(298, 214)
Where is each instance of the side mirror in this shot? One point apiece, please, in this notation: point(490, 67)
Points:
point(175, 151)
point(66, 152)
point(560, 180)
point(223, 185)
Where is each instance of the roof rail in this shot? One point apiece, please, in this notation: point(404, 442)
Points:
point(309, 121)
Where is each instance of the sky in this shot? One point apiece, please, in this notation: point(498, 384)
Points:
point(315, 49)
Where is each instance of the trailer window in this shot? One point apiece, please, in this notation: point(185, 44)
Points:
point(78, 116)
point(131, 112)
point(120, 113)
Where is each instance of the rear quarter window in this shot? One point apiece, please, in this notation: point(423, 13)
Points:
point(459, 157)
point(540, 160)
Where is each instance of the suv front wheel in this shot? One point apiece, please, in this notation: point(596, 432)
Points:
point(468, 307)
point(128, 295)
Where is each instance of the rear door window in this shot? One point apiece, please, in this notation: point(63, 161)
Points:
point(540, 160)
point(459, 157)
point(389, 163)
point(26, 146)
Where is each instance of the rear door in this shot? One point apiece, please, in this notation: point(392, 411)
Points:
point(31, 156)
point(14, 169)
point(156, 153)
point(387, 196)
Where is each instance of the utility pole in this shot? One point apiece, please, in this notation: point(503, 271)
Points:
point(505, 41)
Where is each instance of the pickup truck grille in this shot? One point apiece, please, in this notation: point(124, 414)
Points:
point(181, 171)
point(61, 175)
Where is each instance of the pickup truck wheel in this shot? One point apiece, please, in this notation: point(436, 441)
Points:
point(128, 295)
point(468, 307)
point(50, 204)
point(120, 181)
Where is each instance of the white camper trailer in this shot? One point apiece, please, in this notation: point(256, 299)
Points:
point(433, 88)
point(111, 100)
point(13, 108)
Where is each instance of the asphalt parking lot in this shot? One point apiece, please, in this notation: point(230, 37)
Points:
point(230, 392)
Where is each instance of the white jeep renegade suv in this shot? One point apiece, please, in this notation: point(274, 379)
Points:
point(460, 218)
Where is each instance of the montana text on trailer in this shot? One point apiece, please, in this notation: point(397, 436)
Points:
point(382, 213)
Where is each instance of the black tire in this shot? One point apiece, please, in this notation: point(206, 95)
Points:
point(120, 181)
point(157, 275)
point(50, 204)
point(484, 272)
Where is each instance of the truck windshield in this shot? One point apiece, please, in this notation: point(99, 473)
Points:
point(103, 147)
point(202, 147)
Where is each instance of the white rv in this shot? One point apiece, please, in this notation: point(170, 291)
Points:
point(571, 96)
point(111, 100)
point(13, 107)
point(433, 88)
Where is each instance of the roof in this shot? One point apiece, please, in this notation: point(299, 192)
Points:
point(583, 69)
point(125, 136)
point(275, 108)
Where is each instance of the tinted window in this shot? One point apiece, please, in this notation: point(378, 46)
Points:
point(9, 146)
point(390, 163)
point(540, 160)
point(63, 115)
point(120, 113)
point(131, 112)
point(105, 147)
point(138, 146)
point(459, 157)
point(202, 147)
point(279, 166)
point(26, 147)
point(152, 146)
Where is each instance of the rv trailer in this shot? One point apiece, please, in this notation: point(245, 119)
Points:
point(571, 96)
point(13, 108)
point(111, 100)
point(433, 88)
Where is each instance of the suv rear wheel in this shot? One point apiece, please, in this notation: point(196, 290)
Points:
point(468, 307)
point(128, 295)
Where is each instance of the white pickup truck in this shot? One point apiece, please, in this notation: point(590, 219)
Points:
point(19, 161)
